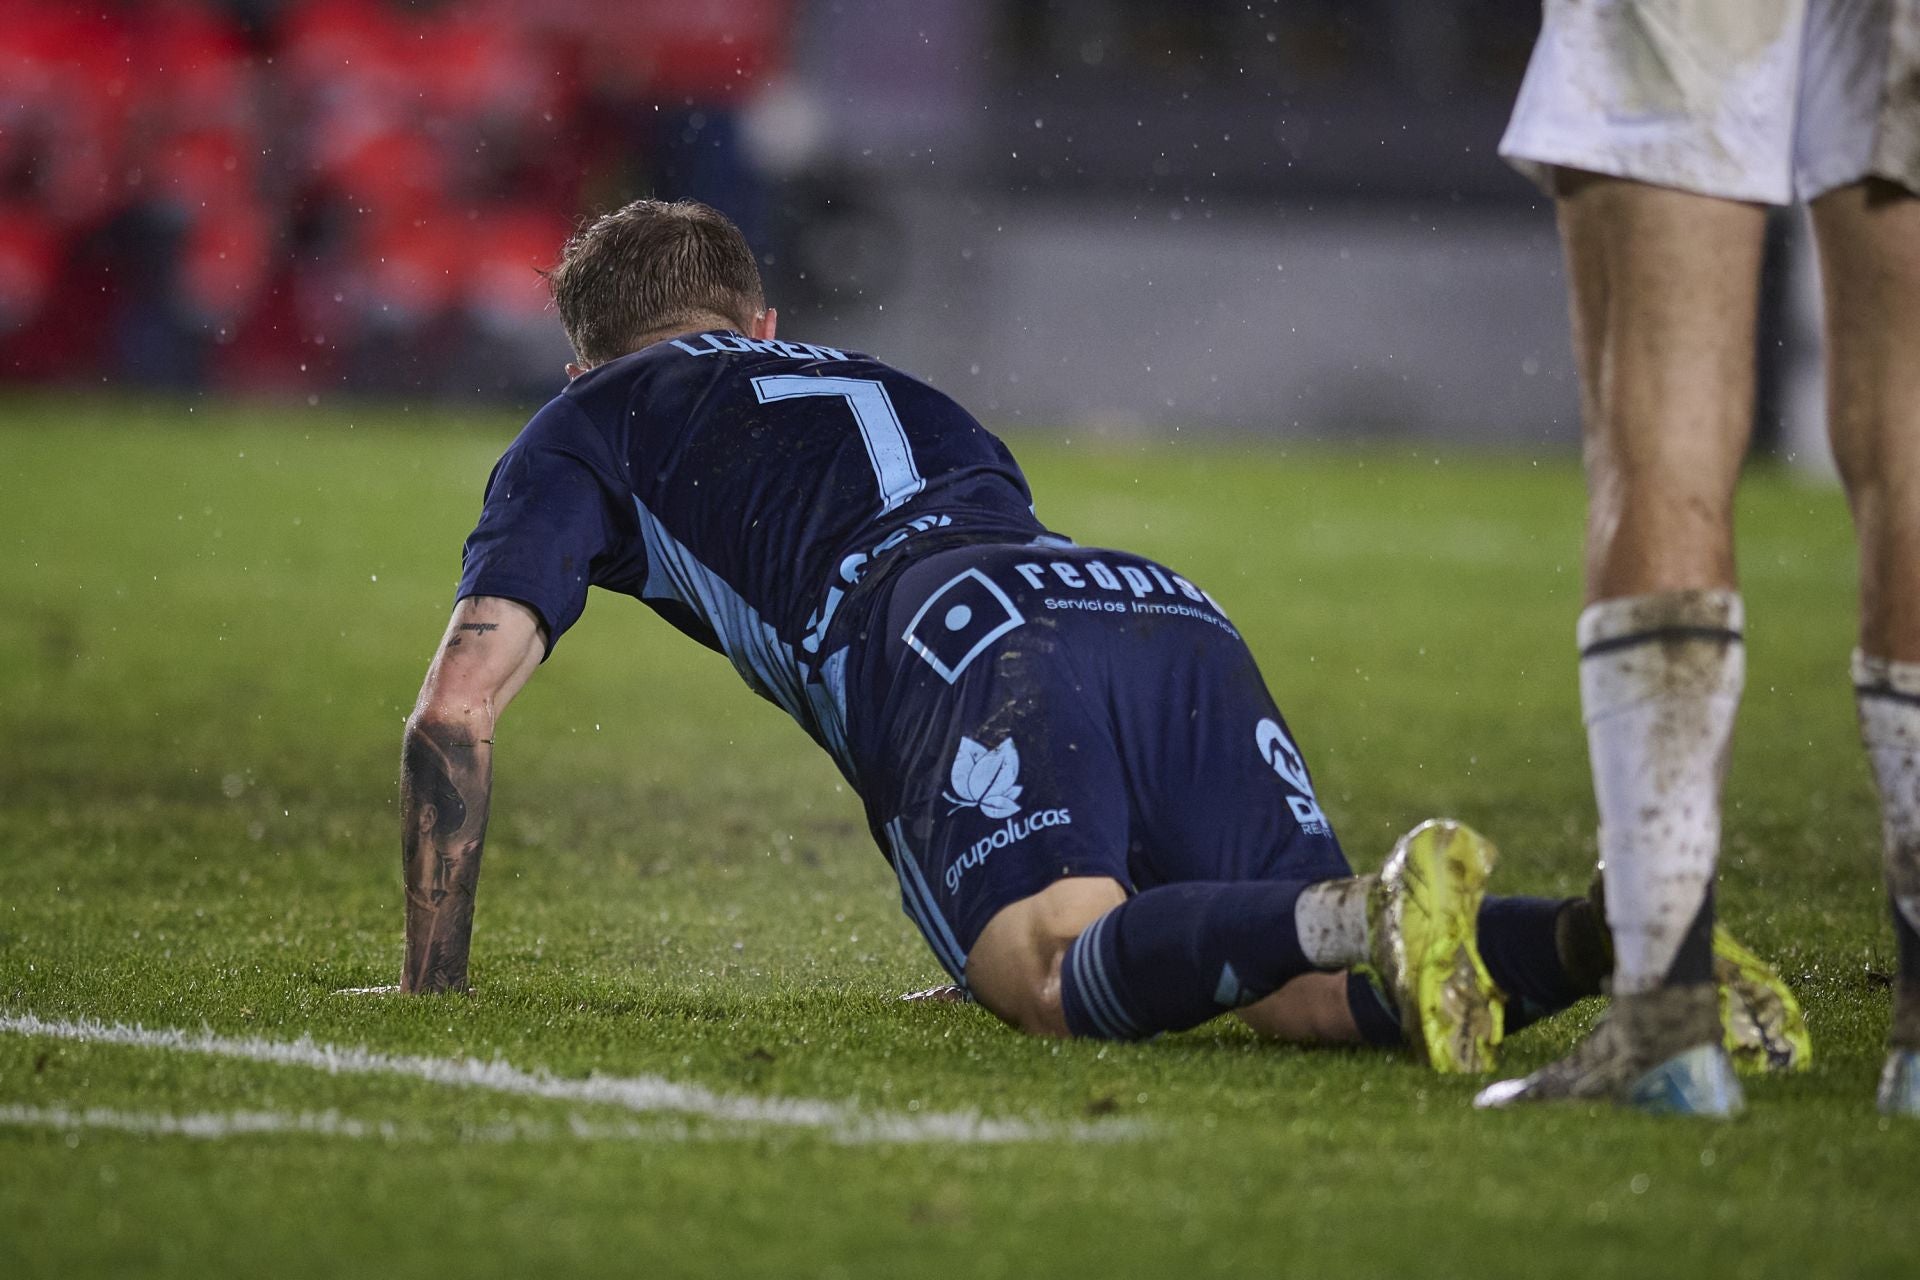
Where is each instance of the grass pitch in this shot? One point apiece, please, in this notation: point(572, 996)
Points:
point(216, 619)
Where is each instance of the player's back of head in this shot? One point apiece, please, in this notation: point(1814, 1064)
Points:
point(650, 266)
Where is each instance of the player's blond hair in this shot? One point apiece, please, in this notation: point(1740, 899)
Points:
point(648, 266)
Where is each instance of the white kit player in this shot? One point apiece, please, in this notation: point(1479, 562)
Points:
point(1663, 129)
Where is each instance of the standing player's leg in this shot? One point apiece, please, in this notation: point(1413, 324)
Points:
point(1664, 290)
point(1869, 237)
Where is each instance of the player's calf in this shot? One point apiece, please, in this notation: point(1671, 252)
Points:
point(1178, 955)
point(1082, 959)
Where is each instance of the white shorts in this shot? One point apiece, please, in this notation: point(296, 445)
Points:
point(1765, 100)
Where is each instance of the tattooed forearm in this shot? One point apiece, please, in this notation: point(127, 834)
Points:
point(476, 628)
point(445, 782)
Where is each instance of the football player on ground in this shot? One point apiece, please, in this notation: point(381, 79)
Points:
point(1663, 130)
point(1099, 820)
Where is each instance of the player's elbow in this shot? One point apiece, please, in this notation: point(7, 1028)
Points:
point(472, 718)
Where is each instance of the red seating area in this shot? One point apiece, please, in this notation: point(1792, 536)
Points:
point(251, 195)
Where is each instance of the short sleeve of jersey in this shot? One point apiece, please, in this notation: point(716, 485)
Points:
point(546, 520)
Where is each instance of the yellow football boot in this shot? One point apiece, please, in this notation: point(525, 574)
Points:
point(1423, 911)
point(1765, 1028)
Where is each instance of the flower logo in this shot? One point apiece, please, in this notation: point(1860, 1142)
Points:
point(986, 780)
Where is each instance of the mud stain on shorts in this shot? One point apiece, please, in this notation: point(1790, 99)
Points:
point(1672, 56)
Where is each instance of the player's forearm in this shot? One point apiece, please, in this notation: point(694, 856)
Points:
point(445, 784)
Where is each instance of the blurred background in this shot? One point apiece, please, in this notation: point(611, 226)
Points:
point(1100, 216)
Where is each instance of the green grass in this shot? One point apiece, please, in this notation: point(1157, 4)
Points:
point(215, 619)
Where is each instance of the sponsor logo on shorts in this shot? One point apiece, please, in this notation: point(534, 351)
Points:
point(1016, 830)
point(959, 621)
point(989, 780)
point(1279, 752)
point(1094, 586)
point(985, 780)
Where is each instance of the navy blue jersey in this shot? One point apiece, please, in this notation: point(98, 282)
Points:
point(745, 490)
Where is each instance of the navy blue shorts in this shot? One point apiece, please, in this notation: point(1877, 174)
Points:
point(1022, 713)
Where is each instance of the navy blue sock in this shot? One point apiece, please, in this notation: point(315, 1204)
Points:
point(1379, 1022)
point(1373, 1013)
point(1175, 956)
point(1906, 990)
point(1693, 962)
point(1907, 947)
point(1520, 941)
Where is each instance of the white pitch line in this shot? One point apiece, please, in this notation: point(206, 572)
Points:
point(215, 1125)
point(198, 1124)
point(839, 1122)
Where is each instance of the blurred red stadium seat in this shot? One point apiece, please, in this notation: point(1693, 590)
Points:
point(349, 164)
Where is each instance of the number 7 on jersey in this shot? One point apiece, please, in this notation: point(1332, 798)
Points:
point(873, 414)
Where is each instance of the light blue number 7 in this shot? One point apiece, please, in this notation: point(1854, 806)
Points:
point(873, 413)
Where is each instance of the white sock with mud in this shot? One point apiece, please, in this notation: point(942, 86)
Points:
point(1660, 682)
point(1331, 921)
point(1888, 696)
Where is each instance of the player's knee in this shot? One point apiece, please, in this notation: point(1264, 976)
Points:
point(1021, 989)
point(1014, 968)
point(1650, 532)
point(1021, 984)
point(1883, 495)
point(1038, 1012)
point(1856, 438)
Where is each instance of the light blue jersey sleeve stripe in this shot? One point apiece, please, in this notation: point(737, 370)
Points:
point(766, 662)
point(912, 877)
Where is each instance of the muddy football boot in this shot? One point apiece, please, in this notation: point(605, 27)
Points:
point(1900, 1084)
point(1422, 913)
point(1656, 1052)
point(1900, 1079)
point(1765, 1030)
